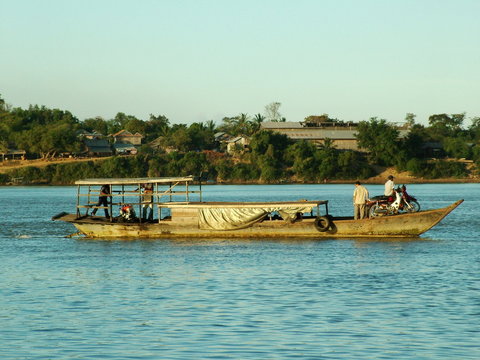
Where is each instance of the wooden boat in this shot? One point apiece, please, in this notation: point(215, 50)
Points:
point(199, 219)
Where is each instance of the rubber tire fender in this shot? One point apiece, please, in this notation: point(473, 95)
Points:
point(322, 223)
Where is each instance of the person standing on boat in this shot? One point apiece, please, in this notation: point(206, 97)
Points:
point(360, 198)
point(389, 187)
point(103, 200)
point(147, 201)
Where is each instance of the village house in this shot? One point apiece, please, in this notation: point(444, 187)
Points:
point(126, 137)
point(159, 145)
point(239, 143)
point(97, 147)
point(95, 143)
point(13, 154)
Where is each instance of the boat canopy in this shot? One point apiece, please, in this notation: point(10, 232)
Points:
point(132, 191)
point(249, 204)
point(135, 181)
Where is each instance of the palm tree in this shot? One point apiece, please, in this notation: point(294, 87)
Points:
point(242, 123)
point(210, 125)
point(259, 118)
point(328, 145)
point(255, 124)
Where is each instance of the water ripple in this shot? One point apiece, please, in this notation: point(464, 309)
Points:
point(196, 299)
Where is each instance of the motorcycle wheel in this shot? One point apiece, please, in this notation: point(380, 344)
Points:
point(414, 206)
point(376, 210)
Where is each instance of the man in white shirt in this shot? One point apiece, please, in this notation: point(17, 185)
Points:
point(360, 197)
point(389, 186)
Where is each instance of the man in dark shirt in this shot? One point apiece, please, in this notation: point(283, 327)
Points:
point(103, 199)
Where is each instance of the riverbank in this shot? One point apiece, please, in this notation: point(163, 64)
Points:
point(406, 178)
point(10, 165)
point(382, 174)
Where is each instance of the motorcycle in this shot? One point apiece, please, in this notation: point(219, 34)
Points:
point(127, 213)
point(400, 202)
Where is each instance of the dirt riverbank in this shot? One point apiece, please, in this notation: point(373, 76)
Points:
point(9, 165)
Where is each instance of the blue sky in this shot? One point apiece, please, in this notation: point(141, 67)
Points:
point(194, 60)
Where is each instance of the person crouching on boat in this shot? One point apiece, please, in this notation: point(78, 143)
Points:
point(147, 201)
point(127, 213)
point(103, 200)
point(360, 198)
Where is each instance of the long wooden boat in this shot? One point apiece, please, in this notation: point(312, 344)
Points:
point(199, 219)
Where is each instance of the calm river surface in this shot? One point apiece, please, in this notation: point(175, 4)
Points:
point(67, 298)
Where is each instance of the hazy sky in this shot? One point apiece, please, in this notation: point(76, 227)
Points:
point(194, 60)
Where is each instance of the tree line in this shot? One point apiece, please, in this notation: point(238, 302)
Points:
point(271, 157)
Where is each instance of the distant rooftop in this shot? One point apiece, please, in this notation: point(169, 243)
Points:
point(299, 131)
point(281, 125)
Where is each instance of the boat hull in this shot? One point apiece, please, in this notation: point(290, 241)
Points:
point(403, 225)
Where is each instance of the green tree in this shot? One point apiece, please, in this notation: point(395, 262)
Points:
point(241, 124)
point(413, 143)
point(457, 147)
point(300, 150)
point(301, 155)
point(474, 129)
point(415, 166)
point(120, 122)
point(97, 124)
point(224, 169)
point(3, 105)
point(380, 139)
point(352, 165)
point(327, 160)
point(410, 119)
point(245, 172)
point(476, 156)
point(260, 142)
point(157, 166)
point(44, 131)
point(135, 125)
point(155, 127)
point(210, 126)
point(442, 125)
point(179, 138)
point(202, 137)
point(3, 145)
point(270, 165)
point(193, 163)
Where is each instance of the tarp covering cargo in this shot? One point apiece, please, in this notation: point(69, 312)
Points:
point(239, 218)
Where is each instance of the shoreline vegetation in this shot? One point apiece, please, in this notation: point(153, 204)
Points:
point(242, 149)
point(27, 172)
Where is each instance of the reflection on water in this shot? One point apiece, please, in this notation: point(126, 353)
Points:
point(65, 298)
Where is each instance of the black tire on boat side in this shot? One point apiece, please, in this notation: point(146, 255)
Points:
point(322, 223)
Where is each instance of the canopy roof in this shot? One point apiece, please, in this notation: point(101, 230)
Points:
point(13, 152)
point(134, 181)
point(253, 204)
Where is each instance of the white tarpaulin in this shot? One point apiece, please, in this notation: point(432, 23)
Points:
point(239, 218)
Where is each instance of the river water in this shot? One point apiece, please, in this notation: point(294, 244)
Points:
point(69, 298)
